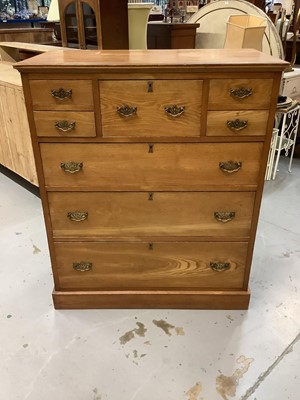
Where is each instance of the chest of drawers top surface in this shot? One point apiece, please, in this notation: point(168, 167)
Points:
point(223, 59)
point(151, 170)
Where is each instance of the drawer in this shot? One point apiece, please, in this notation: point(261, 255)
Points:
point(62, 94)
point(106, 266)
point(237, 123)
point(238, 94)
point(65, 123)
point(159, 166)
point(151, 108)
point(151, 214)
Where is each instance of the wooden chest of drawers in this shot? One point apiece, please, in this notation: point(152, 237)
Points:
point(151, 168)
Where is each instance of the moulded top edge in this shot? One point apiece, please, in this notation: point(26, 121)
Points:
point(201, 58)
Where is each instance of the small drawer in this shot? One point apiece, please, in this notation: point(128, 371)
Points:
point(62, 94)
point(65, 123)
point(238, 94)
point(125, 266)
point(237, 123)
point(143, 214)
point(159, 166)
point(151, 107)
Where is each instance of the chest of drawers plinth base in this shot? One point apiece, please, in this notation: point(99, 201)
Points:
point(202, 300)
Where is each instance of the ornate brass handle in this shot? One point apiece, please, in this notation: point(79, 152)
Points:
point(241, 93)
point(65, 126)
point(224, 216)
point(174, 110)
point(77, 216)
point(83, 266)
point(61, 93)
point(219, 266)
point(230, 166)
point(71, 166)
point(127, 111)
point(237, 124)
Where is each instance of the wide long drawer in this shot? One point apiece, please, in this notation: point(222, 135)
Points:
point(126, 214)
point(151, 108)
point(106, 266)
point(160, 166)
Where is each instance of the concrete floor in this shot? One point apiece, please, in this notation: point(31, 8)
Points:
point(201, 355)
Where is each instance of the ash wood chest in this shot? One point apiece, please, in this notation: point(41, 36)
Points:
point(151, 168)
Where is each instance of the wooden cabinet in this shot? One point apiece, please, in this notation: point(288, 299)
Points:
point(161, 35)
point(92, 24)
point(152, 191)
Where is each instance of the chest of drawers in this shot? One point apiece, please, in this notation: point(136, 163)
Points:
point(151, 168)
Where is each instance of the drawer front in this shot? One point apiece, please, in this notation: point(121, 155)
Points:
point(154, 108)
point(145, 167)
point(151, 214)
point(238, 94)
point(146, 266)
point(237, 123)
point(62, 94)
point(65, 123)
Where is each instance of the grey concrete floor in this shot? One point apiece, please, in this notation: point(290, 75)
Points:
point(201, 355)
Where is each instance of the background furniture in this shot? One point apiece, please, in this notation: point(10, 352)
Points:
point(94, 24)
point(161, 35)
point(27, 35)
point(284, 138)
point(138, 14)
point(151, 167)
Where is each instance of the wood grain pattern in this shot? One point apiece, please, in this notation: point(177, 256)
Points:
point(16, 151)
point(220, 98)
point(151, 119)
point(82, 95)
point(133, 214)
point(256, 123)
point(84, 123)
point(131, 166)
point(134, 266)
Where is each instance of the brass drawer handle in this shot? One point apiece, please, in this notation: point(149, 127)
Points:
point(83, 266)
point(77, 216)
point(224, 216)
point(61, 93)
point(127, 111)
point(174, 110)
point(237, 124)
point(71, 166)
point(64, 126)
point(219, 266)
point(230, 166)
point(241, 93)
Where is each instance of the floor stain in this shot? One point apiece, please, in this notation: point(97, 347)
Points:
point(148, 343)
point(229, 317)
point(25, 345)
point(166, 327)
point(179, 331)
point(194, 391)
point(18, 233)
point(36, 250)
point(135, 353)
point(227, 385)
point(96, 395)
point(140, 331)
point(9, 316)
